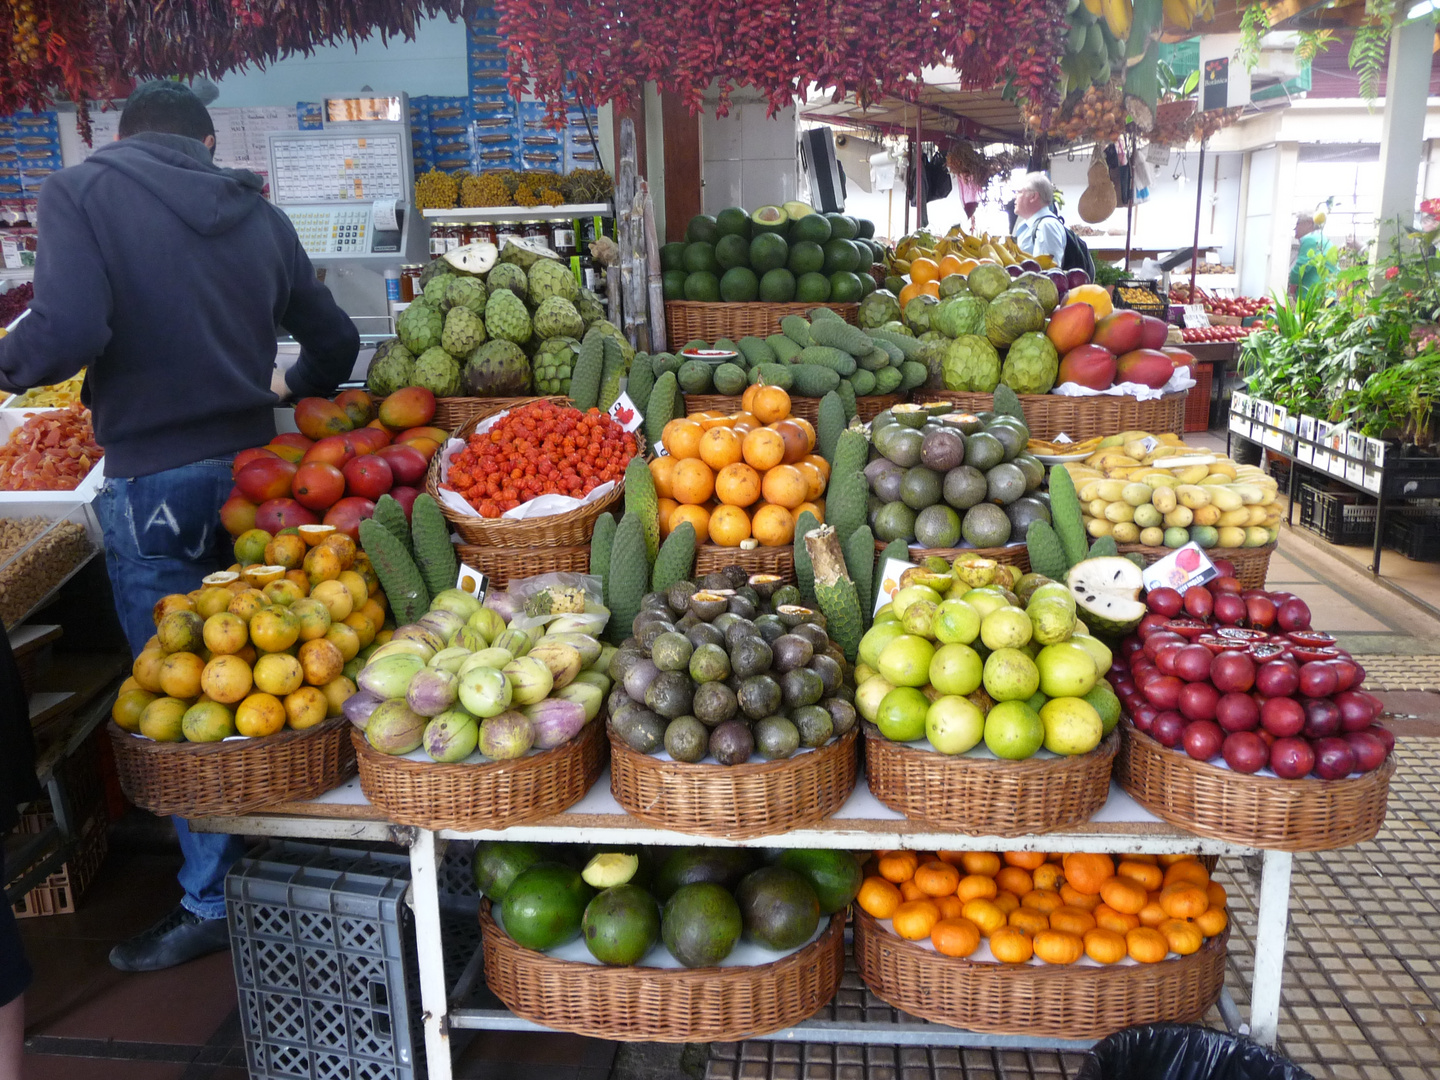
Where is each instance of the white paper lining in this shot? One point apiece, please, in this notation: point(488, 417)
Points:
point(1181, 380)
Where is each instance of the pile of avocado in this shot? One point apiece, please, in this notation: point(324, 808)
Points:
point(727, 668)
point(699, 901)
point(777, 255)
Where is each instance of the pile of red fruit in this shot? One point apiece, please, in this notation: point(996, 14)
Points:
point(347, 453)
point(1236, 673)
point(1192, 334)
point(1240, 306)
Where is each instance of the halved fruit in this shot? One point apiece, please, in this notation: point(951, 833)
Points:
point(313, 534)
point(220, 577)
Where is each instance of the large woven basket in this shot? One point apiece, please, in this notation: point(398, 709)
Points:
point(503, 565)
point(736, 801)
point(1047, 415)
point(985, 797)
point(570, 529)
point(193, 780)
point(761, 560)
point(1251, 564)
point(871, 405)
point(1016, 555)
point(663, 1004)
point(453, 412)
point(694, 320)
point(1048, 1000)
point(490, 796)
point(711, 403)
point(1258, 811)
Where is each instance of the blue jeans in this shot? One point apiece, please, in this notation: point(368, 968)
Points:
point(162, 535)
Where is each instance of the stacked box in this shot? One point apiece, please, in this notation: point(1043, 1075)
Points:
point(29, 152)
point(440, 133)
point(580, 152)
point(542, 148)
point(495, 115)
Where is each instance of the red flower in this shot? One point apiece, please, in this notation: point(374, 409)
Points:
point(1392, 273)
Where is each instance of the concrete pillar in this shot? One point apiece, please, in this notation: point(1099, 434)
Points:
point(1282, 218)
point(1407, 86)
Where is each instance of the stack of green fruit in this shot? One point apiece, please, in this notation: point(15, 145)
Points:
point(777, 255)
point(939, 477)
point(699, 902)
point(958, 657)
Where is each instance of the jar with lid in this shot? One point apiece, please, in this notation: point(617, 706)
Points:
point(535, 230)
point(484, 232)
point(410, 282)
point(562, 238)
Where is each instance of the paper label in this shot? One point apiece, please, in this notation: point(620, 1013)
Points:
point(660, 450)
point(1062, 438)
point(1149, 443)
point(1196, 316)
point(624, 413)
point(1182, 568)
point(890, 580)
point(472, 581)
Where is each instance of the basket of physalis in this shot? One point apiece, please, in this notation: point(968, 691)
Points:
point(60, 396)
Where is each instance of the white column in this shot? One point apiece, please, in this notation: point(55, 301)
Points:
point(1407, 86)
point(1282, 217)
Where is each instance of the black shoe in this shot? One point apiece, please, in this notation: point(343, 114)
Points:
point(178, 938)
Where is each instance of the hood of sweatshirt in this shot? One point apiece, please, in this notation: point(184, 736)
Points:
point(180, 173)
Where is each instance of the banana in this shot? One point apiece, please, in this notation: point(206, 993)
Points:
point(1094, 7)
point(1178, 14)
point(1119, 14)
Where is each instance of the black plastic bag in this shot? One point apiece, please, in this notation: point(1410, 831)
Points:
point(1184, 1052)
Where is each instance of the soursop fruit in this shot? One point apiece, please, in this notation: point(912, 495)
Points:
point(476, 258)
point(391, 368)
point(971, 363)
point(1012, 313)
point(497, 369)
point(963, 314)
point(1107, 594)
point(880, 307)
point(508, 276)
point(435, 290)
point(591, 309)
point(419, 327)
point(468, 293)
point(439, 372)
point(609, 329)
point(506, 317)
point(557, 317)
point(554, 363)
point(464, 332)
point(1030, 365)
point(549, 278)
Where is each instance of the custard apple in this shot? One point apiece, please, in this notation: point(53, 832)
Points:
point(549, 278)
point(878, 308)
point(508, 276)
point(468, 293)
point(464, 332)
point(1012, 313)
point(591, 309)
point(435, 290)
point(1030, 365)
point(963, 314)
point(439, 372)
point(919, 311)
point(419, 326)
point(497, 369)
point(1043, 288)
point(971, 363)
point(557, 317)
point(554, 363)
point(506, 317)
point(391, 368)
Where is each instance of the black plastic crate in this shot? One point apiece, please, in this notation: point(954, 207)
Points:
point(1414, 534)
point(1338, 516)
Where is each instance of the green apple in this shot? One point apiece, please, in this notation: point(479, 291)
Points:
point(1072, 726)
point(954, 725)
point(1014, 731)
point(956, 669)
point(1066, 670)
point(901, 717)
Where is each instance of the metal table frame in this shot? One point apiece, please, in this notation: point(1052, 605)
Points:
point(863, 823)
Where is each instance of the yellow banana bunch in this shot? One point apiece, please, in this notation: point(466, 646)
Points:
point(1093, 6)
point(1119, 14)
point(1179, 13)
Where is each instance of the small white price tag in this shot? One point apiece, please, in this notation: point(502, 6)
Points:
point(1182, 568)
point(624, 413)
point(660, 450)
point(1196, 316)
point(1149, 443)
point(1062, 438)
point(472, 581)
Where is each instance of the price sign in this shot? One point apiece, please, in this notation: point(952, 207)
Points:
point(1196, 316)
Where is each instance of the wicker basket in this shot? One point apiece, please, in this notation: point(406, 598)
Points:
point(712, 403)
point(735, 801)
point(694, 320)
point(490, 796)
point(1051, 1001)
point(1047, 415)
point(663, 1004)
point(453, 412)
point(1016, 555)
point(570, 529)
point(986, 797)
point(1251, 564)
point(503, 565)
point(224, 778)
point(1258, 811)
point(762, 560)
point(871, 405)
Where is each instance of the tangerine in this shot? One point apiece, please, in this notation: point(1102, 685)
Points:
point(1026, 860)
point(1124, 894)
point(1013, 879)
point(977, 862)
point(1075, 898)
point(1183, 900)
point(923, 270)
point(955, 936)
point(1183, 936)
point(986, 914)
point(976, 887)
point(878, 898)
point(1058, 946)
point(898, 866)
point(950, 907)
point(1010, 945)
point(772, 525)
point(914, 919)
point(1107, 918)
point(1086, 872)
point(1072, 920)
point(1152, 915)
point(1212, 921)
point(1105, 946)
point(1148, 875)
point(1191, 870)
point(910, 891)
point(737, 484)
point(1029, 920)
point(1007, 902)
point(692, 482)
point(1217, 895)
point(728, 526)
point(1146, 945)
point(1049, 876)
point(1043, 900)
point(936, 878)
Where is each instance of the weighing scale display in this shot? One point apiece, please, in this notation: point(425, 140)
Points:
point(326, 167)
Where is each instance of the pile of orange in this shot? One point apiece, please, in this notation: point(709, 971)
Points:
point(1055, 907)
point(743, 475)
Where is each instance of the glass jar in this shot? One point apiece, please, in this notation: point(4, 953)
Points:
point(485, 232)
point(562, 239)
point(535, 230)
point(410, 282)
point(437, 240)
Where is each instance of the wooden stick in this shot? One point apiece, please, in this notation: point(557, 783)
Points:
point(628, 225)
point(658, 340)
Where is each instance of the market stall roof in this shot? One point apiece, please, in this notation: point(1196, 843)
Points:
point(942, 107)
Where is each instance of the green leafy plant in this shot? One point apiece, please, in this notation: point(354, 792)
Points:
point(1254, 25)
point(1367, 57)
point(1108, 273)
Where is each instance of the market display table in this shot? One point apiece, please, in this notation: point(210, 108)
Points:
point(863, 823)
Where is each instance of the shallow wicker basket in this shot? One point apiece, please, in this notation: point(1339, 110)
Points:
point(490, 796)
point(1053, 1001)
point(761, 560)
point(693, 320)
point(239, 777)
point(869, 406)
point(1258, 811)
point(570, 529)
point(736, 801)
point(1251, 564)
point(712, 403)
point(663, 1004)
point(985, 797)
point(503, 565)
point(1017, 555)
point(452, 412)
point(1047, 415)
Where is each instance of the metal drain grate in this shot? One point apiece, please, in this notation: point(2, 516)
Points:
point(1400, 672)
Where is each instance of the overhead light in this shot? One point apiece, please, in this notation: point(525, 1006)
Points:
point(1425, 7)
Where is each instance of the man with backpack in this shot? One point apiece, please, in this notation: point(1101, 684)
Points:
point(1039, 229)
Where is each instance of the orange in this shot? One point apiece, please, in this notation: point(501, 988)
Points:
point(814, 481)
point(1217, 895)
point(737, 484)
point(1072, 920)
point(1075, 898)
point(763, 449)
point(1104, 946)
point(729, 525)
point(1146, 946)
point(719, 447)
point(950, 264)
point(1148, 860)
point(1149, 876)
point(807, 427)
point(784, 486)
point(796, 444)
point(1182, 936)
point(769, 404)
point(1124, 894)
point(1049, 876)
point(878, 897)
point(1192, 870)
point(1058, 946)
point(259, 714)
point(698, 517)
point(1107, 918)
point(937, 878)
point(1152, 915)
point(1013, 879)
point(910, 891)
point(950, 906)
point(1171, 860)
point(898, 866)
point(772, 525)
point(1043, 900)
point(1029, 920)
point(681, 437)
point(923, 270)
point(1212, 921)
point(979, 862)
point(693, 482)
point(664, 507)
point(1183, 900)
point(909, 292)
point(1026, 860)
point(914, 919)
point(1011, 946)
point(816, 508)
point(954, 936)
point(966, 265)
point(985, 914)
point(662, 469)
point(824, 467)
point(1086, 872)
point(976, 887)
point(1007, 902)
